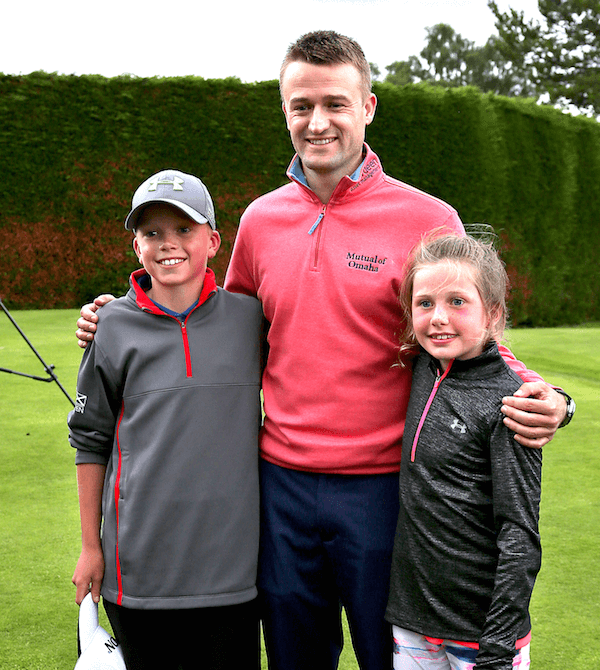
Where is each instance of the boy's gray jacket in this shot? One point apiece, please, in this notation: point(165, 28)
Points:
point(173, 411)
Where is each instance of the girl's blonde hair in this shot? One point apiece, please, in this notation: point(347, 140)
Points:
point(489, 276)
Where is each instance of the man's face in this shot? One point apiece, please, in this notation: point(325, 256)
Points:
point(326, 113)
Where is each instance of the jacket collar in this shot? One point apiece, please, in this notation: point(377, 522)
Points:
point(209, 287)
point(487, 363)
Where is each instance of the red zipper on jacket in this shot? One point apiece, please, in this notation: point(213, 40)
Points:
point(117, 496)
point(186, 347)
point(438, 381)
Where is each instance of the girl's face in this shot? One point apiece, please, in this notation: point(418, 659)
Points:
point(448, 315)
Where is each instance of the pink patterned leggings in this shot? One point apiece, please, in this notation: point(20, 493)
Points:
point(412, 651)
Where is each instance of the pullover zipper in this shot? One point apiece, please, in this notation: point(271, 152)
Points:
point(317, 241)
point(186, 349)
point(318, 221)
point(184, 337)
point(439, 379)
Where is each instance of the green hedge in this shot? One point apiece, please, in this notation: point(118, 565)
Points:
point(75, 148)
point(530, 171)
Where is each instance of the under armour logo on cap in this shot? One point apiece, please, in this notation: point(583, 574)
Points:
point(183, 191)
point(176, 183)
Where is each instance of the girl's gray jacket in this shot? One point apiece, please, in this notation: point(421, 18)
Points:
point(173, 410)
point(467, 547)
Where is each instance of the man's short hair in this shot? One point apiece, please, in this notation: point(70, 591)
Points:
point(326, 47)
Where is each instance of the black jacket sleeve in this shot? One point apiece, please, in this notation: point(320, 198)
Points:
point(516, 480)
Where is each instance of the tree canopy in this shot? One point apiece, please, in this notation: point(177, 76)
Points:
point(449, 59)
point(557, 59)
point(562, 53)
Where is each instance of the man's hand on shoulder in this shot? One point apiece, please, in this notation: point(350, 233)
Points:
point(534, 413)
point(86, 323)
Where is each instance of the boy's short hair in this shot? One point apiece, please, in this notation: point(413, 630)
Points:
point(181, 190)
point(326, 47)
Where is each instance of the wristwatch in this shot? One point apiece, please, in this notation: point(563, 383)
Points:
point(570, 408)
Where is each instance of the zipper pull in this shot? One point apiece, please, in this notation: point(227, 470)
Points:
point(318, 221)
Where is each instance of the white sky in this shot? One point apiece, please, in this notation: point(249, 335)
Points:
point(220, 38)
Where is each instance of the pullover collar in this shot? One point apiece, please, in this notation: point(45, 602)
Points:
point(209, 288)
point(361, 180)
point(488, 362)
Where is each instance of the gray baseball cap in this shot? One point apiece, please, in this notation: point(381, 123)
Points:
point(184, 191)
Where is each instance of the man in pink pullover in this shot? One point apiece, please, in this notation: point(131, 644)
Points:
point(325, 254)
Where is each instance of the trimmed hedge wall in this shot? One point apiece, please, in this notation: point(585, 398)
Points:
point(73, 150)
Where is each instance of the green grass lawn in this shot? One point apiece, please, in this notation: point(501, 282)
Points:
point(39, 521)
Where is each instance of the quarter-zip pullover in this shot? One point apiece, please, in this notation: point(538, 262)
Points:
point(173, 410)
point(334, 401)
point(467, 547)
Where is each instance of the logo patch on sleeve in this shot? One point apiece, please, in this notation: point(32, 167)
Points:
point(80, 402)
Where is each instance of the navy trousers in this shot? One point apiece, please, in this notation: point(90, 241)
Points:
point(326, 543)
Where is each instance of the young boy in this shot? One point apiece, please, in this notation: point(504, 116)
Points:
point(166, 427)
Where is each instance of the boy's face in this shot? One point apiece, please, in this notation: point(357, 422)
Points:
point(173, 249)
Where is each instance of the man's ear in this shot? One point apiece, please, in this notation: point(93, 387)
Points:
point(370, 107)
point(284, 110)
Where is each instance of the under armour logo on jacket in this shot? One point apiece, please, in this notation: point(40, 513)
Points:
point(457, 425)
point(176, 183)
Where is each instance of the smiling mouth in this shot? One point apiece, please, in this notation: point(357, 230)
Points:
point(171, 261)
point(321, 142)
point(441, 337)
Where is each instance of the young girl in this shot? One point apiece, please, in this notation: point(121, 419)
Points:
point(467, 547)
